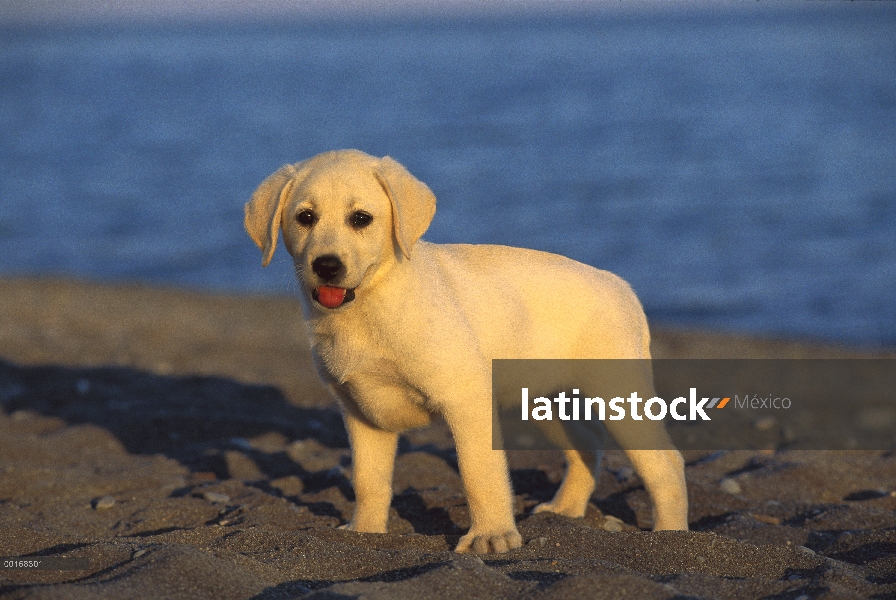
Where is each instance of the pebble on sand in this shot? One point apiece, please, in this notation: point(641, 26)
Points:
point(611, 523)
point(216, 497)
point(104, 503)
point(730, 486)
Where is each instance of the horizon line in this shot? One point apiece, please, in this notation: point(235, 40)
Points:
point(110, 12)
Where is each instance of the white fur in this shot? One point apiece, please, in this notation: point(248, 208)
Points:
point(427, 320)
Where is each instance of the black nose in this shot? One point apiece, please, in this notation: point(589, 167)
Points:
point(327, 267)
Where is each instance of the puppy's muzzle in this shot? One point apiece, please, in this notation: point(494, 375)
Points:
point(328, 268)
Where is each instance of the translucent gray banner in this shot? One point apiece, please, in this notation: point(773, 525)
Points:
point(698, 404)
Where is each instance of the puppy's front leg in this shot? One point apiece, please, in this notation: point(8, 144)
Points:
point(373, 460)
point(487, 485)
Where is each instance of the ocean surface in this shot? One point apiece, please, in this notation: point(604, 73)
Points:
point(737, 168)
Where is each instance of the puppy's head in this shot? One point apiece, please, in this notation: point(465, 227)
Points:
point(345, 216)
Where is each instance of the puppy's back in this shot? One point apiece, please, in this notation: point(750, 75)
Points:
point(530, 304)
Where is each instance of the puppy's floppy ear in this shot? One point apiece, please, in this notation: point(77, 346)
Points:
point(263, 211)
point(413, 203)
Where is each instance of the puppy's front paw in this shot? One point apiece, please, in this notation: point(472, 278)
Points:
point(489, 542)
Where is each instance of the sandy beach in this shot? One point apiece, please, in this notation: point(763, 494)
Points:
point(181, 443)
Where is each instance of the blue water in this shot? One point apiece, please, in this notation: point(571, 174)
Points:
point(739, 169)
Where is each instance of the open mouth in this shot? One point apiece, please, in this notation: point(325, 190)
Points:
point(332, 297)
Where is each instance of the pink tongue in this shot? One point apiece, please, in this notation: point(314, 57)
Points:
point(331, 297)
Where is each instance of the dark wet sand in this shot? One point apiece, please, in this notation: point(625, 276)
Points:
point(182, 444)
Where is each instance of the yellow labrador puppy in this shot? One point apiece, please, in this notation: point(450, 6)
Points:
point(402, 330)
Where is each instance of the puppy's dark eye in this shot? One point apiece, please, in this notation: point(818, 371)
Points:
point(306, 217)
point(360, 219)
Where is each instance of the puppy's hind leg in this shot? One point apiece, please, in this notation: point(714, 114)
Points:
point(662, 472)
point(571, 499)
